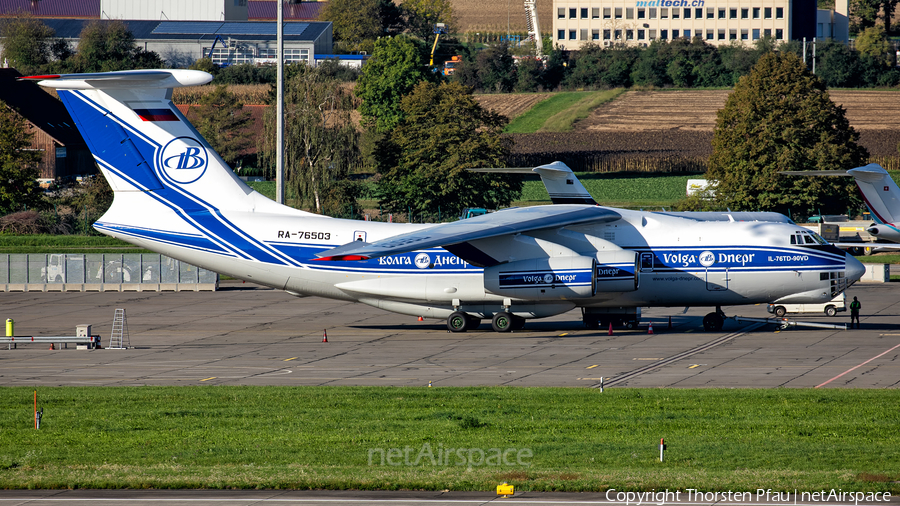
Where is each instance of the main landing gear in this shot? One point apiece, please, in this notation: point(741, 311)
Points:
point(714, 321)
point(459, 321)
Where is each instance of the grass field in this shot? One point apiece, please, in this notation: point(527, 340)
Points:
point(65, 244)
point(559, 112)
point(558, 439)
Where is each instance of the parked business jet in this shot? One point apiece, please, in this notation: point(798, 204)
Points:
point(174, 195)
point(881, 195)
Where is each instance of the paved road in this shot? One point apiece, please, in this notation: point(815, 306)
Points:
point(248, 335)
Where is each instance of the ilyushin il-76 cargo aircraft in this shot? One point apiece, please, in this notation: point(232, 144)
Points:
point(175, 195)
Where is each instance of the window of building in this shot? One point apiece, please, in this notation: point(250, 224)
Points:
point(674, 34)
point(561, 13)
point(722, 13)
point(687, 14)
point(779, 12)
point(664, 34)
point(768, 12)
point(767, 32)
point(709, 35)
point(652, 34)
point(676, 13)
point(710, 13)
point(572, 13)
point(745, 13)
point(653, 13)
point(573, 34)
point(721, 34)
point(779, 34)
point(756, 34)
point(642, 14)
point(584, 12)
point(756, 13)
point(595, 12)
point(607, 13)
point(296, 55)
point(595, 34)
point(629, 13)
point(618, 34)
point(561, 35)
point(640, 34)
point(629, 34)
point(698, 13)
point(607, 34)
point(732, 34)
point(687, 34)
point(744, 34)
point(732, 13)
point(664, 13)
point(584, 34)
point(618, 13)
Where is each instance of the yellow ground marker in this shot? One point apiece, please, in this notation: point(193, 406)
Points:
point(207, 379)
point(563, 334)
point(694, 366)
point(590, 367)
point(289, 359)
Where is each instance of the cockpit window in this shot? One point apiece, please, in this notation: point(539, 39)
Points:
point(793, 239)
point(818, 238)
point(808, 239)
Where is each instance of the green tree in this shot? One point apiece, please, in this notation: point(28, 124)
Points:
point(356, 23)
point(837, 64)
point(496, 69)
point(320, 140)
point(26, 43)
point(422, 15)
point(221, 120)
point(873, 42)
point(423, 161)
point(396, 66)
point(780, 118)
point(18, 165)
point(106, 45)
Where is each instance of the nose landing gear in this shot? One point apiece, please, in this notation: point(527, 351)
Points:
point(714, 321)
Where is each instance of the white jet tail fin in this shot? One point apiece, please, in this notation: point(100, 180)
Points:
point(143, 144)
point(879, 191)
point(558, 179)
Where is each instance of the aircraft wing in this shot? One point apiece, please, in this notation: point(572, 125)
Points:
point(506, 222)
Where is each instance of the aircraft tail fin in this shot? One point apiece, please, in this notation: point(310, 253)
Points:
point(143, 144)
point(559, 180)
point(879, 191)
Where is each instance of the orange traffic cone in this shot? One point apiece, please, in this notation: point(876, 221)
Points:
point(325, 336)
point(421, 319)
point(650, 330)
point(610, 329)
point(52, 347)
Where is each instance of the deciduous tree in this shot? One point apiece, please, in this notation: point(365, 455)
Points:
point(19, 189)
point(106, 45)
point(356, 23)
point(423, 161)
point(422, 15)
point(221, 120)
point(780, 118)
point(321, 142)
point(396, 66)
point(26, 43)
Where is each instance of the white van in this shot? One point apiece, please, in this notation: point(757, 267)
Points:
point(830, 308)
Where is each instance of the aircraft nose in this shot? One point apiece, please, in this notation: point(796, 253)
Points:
point(854, 269)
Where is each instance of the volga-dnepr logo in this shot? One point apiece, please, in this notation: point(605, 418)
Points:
point(183, 160)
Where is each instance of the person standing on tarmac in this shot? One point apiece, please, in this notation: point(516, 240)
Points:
point(855, 306)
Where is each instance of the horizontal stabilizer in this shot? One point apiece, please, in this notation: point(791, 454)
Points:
point(559, 180)
point(123, 79)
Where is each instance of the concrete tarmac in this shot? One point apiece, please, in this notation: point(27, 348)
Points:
point(249, 335)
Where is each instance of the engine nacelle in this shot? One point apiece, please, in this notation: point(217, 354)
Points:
point(544, 278)
point(617, 271)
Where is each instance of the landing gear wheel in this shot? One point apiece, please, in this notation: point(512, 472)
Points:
point(780, 311)
point(502, 322)
point(713, 322)
point(517, 323)
point(458, 321)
